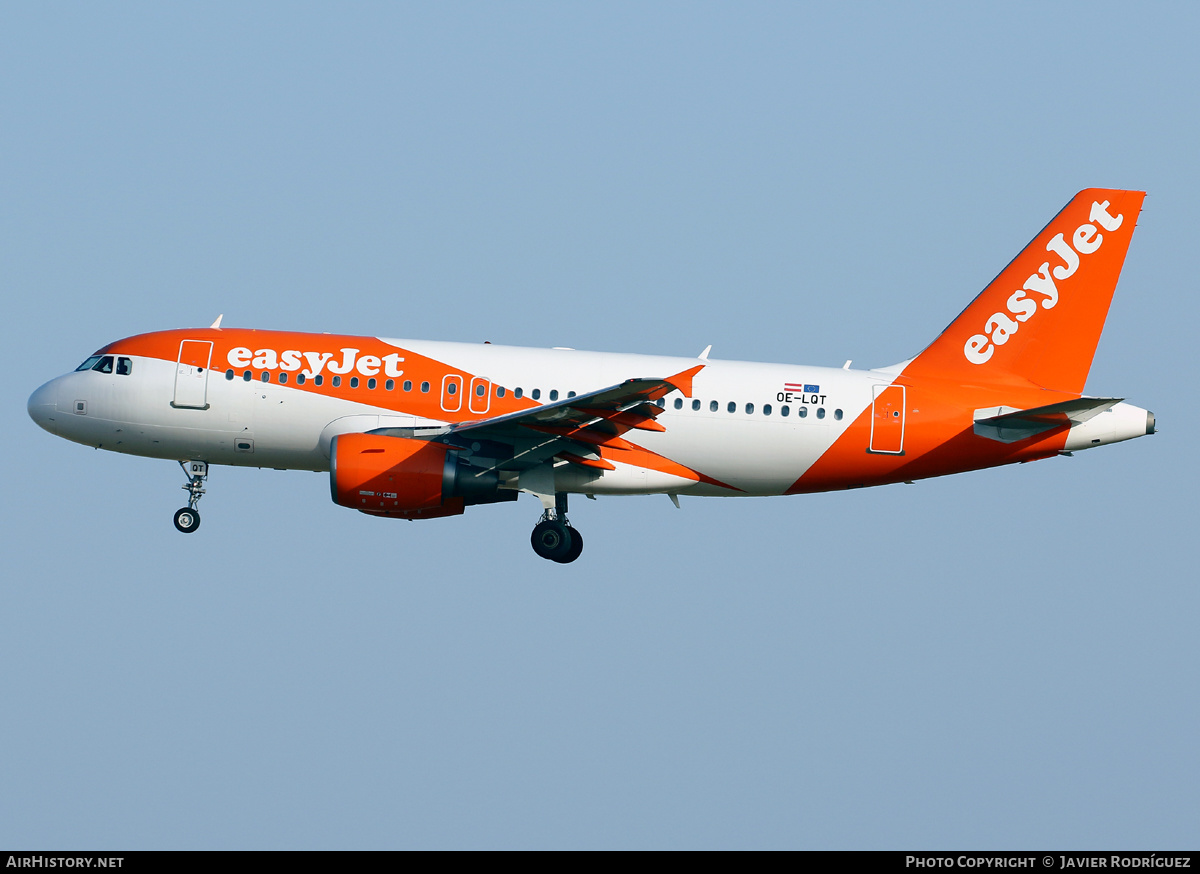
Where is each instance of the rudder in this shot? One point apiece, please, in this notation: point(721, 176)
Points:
point(1040, 319)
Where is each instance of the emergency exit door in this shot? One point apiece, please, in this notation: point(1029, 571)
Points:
point(452, 385)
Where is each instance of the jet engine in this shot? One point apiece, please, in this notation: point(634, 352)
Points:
point(406, 478)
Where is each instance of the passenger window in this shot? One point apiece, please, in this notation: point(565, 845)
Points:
point(354, 382)
point(452, 388)
point(784, 410)
point(407, 385)
point(124, 366)
point(553, 394)
point(696, 404)
point(661, 403)
point(299, 379)
point(820, 412)
point(732, 406)
point(749, 409)
point(247, 376)
point(104, 365)
point(802, 412)
point(837, 414)
point(282, 378)
point(570, 394)
point(536, 394)
point(713, 406)
point(318, 379)
point(389, 385)
point(518, 392)
point(89, 364)
point(229, 374)
point(337, 382)
point(480, 390)
point(679, 403)
point(266, 377)
point(766, 409)
point(425, 387)
point(499, 391)
point(372, 382)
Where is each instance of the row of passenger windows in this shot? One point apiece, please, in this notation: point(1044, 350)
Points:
point(108, 364)
point(535, 394)
point(766, 410)
point(336, 381)
point(124, 366)
point(390, 384)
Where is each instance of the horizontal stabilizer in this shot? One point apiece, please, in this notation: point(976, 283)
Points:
point(1008, 425)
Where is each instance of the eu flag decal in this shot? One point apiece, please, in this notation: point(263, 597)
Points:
point(812, 389)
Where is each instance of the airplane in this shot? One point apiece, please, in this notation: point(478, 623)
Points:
point(413, 429)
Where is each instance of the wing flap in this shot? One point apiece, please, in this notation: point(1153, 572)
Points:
point(594, 463)
point(640, 416)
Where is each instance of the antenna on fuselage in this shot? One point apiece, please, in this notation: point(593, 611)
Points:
point(217, 323)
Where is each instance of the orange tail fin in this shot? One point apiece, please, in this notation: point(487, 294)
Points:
point(1039, 321)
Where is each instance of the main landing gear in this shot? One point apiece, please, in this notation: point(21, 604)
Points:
point(187, 519)
point(553, 537)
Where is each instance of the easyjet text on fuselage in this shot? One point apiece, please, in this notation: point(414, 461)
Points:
point(292, 360)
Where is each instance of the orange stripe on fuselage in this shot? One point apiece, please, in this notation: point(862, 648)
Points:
point(265, 344)
point(939, 438)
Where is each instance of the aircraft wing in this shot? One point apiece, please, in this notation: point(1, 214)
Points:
point(572, 428)
point(629, 404)
point(1008, 425)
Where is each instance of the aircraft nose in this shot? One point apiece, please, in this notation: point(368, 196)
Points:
point(43, 406)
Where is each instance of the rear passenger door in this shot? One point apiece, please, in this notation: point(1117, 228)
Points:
point(887, 420)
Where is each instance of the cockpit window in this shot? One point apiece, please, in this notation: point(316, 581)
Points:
point(104, 365)
point(89, 364)
point(124, 366)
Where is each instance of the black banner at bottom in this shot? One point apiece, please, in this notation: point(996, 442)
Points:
point(1040, 860)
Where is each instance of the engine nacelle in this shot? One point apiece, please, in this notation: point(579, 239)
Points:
point(406, 478)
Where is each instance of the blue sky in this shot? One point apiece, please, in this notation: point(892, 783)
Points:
point(999, 659)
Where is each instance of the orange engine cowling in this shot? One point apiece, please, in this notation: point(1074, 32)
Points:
point(393, 476)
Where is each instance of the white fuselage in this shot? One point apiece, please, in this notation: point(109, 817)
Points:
point(760, 438)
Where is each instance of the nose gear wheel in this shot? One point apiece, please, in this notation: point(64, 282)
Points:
point(187, 520)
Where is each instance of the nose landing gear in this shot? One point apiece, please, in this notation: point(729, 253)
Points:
point(553, 537)
point(187, 519)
